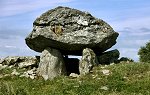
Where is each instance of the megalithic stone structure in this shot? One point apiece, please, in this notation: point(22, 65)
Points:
point(64, 31)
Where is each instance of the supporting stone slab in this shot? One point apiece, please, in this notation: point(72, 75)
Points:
point(88, 61)
point(51, 64)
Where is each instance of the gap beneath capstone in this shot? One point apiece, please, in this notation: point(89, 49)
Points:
point(71, 56)
point(72, 64)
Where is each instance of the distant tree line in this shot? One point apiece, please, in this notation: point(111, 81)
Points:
point(144, 53)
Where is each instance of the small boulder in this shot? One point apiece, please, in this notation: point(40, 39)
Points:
point(73, 75)
point(88, 61)
point(106, 72)
point(104, 88)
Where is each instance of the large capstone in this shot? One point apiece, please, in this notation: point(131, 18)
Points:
point(51, 64)
point(70, 31)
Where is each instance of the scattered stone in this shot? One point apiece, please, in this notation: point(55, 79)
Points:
point(45, 77)
point(25, 74)
point(1, 76)
point(80, 82)
point(112, 64)
point(11, 66)
point(6, 75)
point(30, 74)
point(88, 61)
point(74, 75)
point(32, 77)
point(76, 86)
point(102, 67)
point(98, 78)
point(3, 66)
point(70, 31)
point(104, 88)
point(109, 57)
point(106, 72)
point(51, 64)
point(21, 61)
point(15, 72)
point(29, 62)
point(9, 60)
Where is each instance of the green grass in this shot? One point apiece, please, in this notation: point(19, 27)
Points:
point(124, 79)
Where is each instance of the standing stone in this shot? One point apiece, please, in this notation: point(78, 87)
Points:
point(51, 64)
point(87, 61)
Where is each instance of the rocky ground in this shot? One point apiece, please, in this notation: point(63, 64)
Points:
point(126, 78)
point(19, 66)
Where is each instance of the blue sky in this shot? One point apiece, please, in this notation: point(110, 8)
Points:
point(131, 18)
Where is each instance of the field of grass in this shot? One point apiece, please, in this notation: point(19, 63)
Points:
point(119, 79)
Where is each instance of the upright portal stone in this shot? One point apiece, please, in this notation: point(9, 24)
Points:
point(87, 61)
point(51, 64)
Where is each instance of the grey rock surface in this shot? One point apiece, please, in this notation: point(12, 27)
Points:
point(9, 60)
point(51, 64)
point(70, 31)
point(109, 57)
point(88, 61)
point(30, 73)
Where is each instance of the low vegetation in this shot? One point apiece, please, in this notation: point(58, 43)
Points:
point(116, 79)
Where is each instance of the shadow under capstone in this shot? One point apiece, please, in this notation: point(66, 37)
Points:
point(72, 65)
